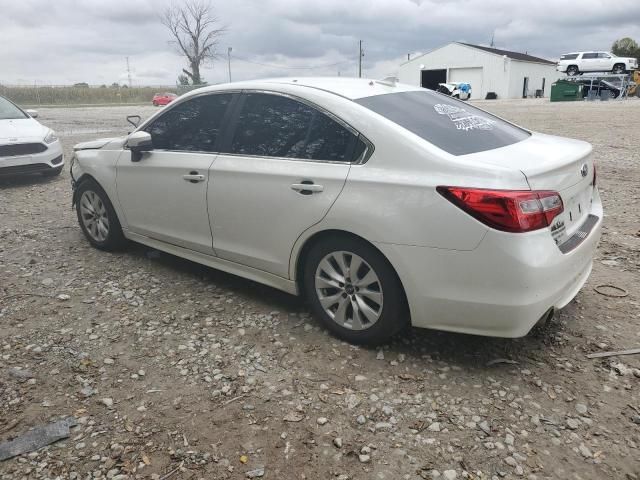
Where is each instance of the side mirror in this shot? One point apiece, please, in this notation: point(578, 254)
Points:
point(32, 113)
point(139, 142)
point(134, 120)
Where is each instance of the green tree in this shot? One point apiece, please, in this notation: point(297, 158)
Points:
point(626, 47)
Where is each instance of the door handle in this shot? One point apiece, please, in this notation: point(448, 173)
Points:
point(193, 177)
point(307, 188)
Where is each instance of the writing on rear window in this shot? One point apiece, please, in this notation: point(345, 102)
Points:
point(456, 127)
point(462, 119)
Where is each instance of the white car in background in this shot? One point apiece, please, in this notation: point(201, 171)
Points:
point(581, 62)
point(26, 146)
point(460, 90)
point(382, 203)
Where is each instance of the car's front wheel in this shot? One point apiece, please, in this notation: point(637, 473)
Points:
point(97, 218)
point(354, 290)
point(618, 69)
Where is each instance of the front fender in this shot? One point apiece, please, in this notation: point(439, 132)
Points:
point(100, 166)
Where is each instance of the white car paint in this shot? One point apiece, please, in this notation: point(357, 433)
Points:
point(18, 132)
point(458, 274)
point(595, 62)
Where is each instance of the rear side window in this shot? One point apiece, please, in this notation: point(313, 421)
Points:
point(456, 127)
point(277, 126)
point(569, 56)
point(193, 125)
point(589, 55)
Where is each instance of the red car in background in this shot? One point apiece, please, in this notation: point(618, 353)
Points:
point(163, 98)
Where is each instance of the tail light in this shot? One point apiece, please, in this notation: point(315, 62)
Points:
point(594, 174)
point(507, 210)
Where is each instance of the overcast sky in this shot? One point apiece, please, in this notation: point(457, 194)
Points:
point(69, 41)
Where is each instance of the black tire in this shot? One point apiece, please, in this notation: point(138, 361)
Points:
point(394, 314)
point(618, 69)
point(572, 70)
point(53, 172)
point(155, 104)
point(114, 239)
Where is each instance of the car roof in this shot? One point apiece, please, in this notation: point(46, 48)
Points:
point(586, 51)
point(350, 88)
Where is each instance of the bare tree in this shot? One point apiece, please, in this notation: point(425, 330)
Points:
point(196, 31)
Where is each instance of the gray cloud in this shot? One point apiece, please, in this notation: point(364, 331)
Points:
point(68, 41)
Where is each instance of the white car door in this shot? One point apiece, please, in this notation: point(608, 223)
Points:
point(164, 194)
point(284, 166)
point(605, 62)
point(589, 62)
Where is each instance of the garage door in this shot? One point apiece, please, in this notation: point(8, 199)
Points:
point(469, 75)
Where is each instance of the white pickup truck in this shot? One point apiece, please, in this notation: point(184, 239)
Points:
point(580, 62)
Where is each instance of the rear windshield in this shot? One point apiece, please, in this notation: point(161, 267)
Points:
point(569, 56)
point(456, 127)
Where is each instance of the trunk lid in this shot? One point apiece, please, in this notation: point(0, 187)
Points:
point(553, 163)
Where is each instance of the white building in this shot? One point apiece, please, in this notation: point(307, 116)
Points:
point(508, 74)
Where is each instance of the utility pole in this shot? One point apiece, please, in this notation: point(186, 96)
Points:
point(128, 72)
point(408, 57)
point(360, 61)
point(229, 49)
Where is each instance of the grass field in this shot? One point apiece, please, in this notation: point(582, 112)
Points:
point(69, 95)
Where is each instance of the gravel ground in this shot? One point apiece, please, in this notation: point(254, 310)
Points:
point(176, 371)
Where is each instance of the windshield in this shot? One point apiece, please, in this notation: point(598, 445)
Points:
point(456, 127)
point(9, 111)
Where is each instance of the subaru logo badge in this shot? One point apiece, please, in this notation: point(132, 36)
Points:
point(584, 170)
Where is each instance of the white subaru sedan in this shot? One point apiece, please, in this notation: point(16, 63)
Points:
point(26, 146)
point(384, 204)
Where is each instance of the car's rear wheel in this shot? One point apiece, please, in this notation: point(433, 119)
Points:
point(618, 68)
point(354, 290)
point(97, 218)
point(155, 104)
point(572, 70)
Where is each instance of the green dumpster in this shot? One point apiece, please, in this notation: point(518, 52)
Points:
point(565, 91)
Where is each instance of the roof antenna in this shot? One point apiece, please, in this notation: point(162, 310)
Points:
point(493, 43)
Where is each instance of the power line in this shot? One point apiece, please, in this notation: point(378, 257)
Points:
point(315, 67)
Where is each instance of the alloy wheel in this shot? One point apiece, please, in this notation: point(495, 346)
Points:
point(94, 216)
point(349, 290)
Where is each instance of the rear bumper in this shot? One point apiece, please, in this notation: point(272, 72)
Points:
point(52, 158)
point(502, 288)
